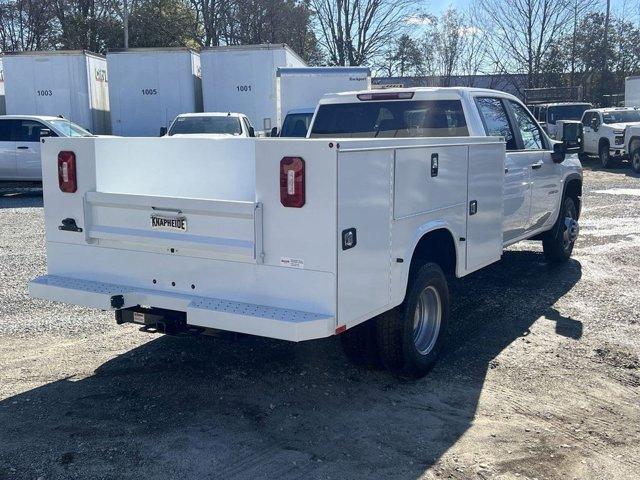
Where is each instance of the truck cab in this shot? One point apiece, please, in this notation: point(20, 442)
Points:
point(210, 124)
point(604, 133)
point(20, 143)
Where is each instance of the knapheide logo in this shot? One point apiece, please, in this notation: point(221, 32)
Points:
point(101, 75)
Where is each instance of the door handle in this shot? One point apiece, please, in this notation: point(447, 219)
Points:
point(23, 148)
point(537, 165)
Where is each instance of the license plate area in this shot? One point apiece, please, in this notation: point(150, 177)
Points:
point(170, 223)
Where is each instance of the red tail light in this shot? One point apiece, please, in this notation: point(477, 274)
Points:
point(67, 172)
point(292, 182)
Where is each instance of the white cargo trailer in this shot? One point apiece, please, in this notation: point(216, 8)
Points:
point(150, 87)
point(299, 88)
point(72, 83)
point(243, 79)
point(3, 108)
point(632, 91)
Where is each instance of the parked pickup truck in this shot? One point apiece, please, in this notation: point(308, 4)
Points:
point(210, 124)
point(632, 142)
point(352, 231)
point(603, 133)
point(20, 143)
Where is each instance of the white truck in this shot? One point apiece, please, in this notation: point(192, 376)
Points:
point(20, 143)
point(632, 142)
point(549, 115)
point(603, 133)
point(352, 231)
point(210, 124)
point(299, 90)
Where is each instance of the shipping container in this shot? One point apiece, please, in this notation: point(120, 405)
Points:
point(3, 107)
point(71, 83)
point(302, 88)
point(149, 87)
point(632, 91)
point(243, 79)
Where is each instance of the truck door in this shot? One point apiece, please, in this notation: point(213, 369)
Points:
point(517, 169)
point(27, 136)
point(545, 176)
point(7, 151)
point(588, 134)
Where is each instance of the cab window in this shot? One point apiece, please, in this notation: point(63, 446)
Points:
point(28, 131)
point(6, 128)
point(529, 130)
point(495, 120)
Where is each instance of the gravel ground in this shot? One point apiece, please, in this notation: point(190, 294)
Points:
point(541, 380)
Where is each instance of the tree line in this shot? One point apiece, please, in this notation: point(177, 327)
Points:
point(549, 42)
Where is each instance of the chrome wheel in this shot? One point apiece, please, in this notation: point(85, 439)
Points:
point(571, 229)
point(427, 319)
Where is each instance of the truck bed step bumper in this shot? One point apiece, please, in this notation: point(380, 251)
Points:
point(208, 312)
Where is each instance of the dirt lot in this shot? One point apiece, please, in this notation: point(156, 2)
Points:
point(542, 379)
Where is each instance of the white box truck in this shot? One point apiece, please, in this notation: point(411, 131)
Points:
point(243, 79)
point(300, 239)
point(150, 87)
point(300, 89)
point(71, 83)
point(632, 91)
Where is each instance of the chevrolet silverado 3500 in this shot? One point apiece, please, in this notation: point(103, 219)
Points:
point(352, 231)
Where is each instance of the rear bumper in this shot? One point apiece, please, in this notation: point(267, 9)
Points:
point(207, 312)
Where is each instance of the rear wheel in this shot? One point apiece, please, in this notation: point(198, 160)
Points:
point(635, 160)
point(559, 241)
point(412, 336)
point(605, 155)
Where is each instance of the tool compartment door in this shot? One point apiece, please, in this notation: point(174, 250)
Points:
point(484, 205)
point(364, 206)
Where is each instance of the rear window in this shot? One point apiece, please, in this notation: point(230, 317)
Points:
point(296, 124)
point(391, 119)
point(195, 125)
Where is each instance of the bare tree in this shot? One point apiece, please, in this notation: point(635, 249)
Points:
point(474, 52)
point(523, 31)
point(26, 25)
point(355, 31)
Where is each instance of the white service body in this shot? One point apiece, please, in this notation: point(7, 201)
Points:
point(243, 79)
point(303, 87)
point(150, 87)
point(69, 83)
point(632, 91)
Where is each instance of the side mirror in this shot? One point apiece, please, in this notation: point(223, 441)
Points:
point(45, 132)
point(252, 132)
point(594, 124)
point(559, 152)
point(274, 132)
point(163, 131)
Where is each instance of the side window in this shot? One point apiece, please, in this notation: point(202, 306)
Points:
point(586, 119)
point(542, 114)
point(529, 130)
point(495, 120)
point(28, 131)
point(6, 126)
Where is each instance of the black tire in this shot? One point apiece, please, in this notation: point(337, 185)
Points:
point(605, 155)
point(395, 329)
point(359, 344)
point(634, 159)
point(555, 245)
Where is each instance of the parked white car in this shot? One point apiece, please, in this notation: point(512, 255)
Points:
point(632, 141)
point(603, 132)
point(349, 232)
point(20, 143)
point(210, 124)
